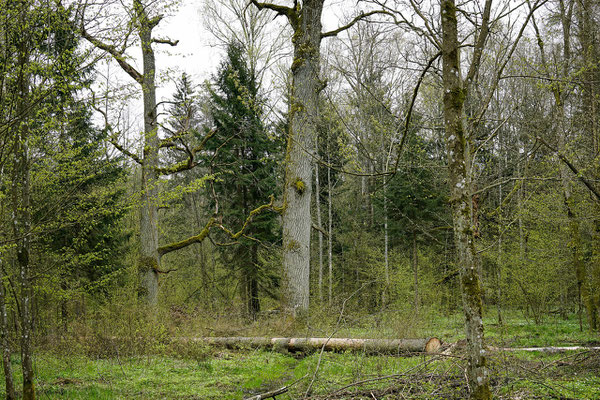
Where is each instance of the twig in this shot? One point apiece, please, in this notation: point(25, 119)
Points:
point(276, 392)
point(337, 327)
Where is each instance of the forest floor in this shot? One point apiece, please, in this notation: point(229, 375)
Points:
point(203, 373)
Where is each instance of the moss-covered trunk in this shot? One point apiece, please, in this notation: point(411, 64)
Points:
point(460, 190)
point(21, 201)
point(5, 343)
point(149, 260)
point(303, 115)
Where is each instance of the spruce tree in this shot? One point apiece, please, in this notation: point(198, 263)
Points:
point(244, 162)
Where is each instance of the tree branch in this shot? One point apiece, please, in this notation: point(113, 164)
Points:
point(320, 229)
point(117, 55)
point(190, 162)
point(254, 212)
point(189, 241)
point(165, 41)
point(565, 160)
point(350, 24)
point(288, 12)
point(480, 42)
point(112, 138)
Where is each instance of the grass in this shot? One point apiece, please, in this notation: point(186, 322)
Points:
point(75, 372)
point(236, 375)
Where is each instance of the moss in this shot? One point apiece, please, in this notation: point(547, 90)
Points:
point(300, 186)
point(449, 10)
point(297, 63)
point(147, 263)
point(293, 245)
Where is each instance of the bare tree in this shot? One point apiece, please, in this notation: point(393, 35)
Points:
point(142, 20)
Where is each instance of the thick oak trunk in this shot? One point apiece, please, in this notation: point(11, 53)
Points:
point(303, 116)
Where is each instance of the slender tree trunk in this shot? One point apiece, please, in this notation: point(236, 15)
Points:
point(329, 227)
point(4, 335)
point(461, 202)
point(415, 260)
point(303, 116)
point(319, 223)
point(386, 259)
point(500, 261)
point(149, 261)
point(21, 214)
point(500, 226)
point(591, 103)
point(254, 301)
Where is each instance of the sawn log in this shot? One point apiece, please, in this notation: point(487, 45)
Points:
point(387, 346)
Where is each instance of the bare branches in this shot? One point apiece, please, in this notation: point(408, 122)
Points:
point(253, 213)
point(190, 162)
point(113, 137)
point(355, 20)
point(480, 42)
point(572, 167)
point(288, 12)
point(170, 42)
point(118, 55)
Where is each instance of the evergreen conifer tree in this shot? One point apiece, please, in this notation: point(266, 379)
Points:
point(245, 166)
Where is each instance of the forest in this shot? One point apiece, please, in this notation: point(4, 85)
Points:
point(300, 199)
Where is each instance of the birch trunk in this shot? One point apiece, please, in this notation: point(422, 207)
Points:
point(461, 201)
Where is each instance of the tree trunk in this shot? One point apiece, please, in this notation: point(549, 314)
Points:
point(329, 227)
point(461, 202)
point(386, 260)
point(4, 334)
point(415, 259)
point(303, 114)
point(21, 212)
point(375, 346)
point(149, 261)
point(254, 301)
point(319, 233)
point(591, 107)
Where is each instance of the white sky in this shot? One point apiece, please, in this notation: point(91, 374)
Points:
point(196, 53)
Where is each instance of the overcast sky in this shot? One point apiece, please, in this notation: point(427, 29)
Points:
point(196, 52)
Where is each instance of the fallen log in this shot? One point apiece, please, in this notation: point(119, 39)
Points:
point(371, 346)
point(549, 349)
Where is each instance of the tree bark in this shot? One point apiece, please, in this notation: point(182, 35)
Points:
point(461, 201)
point(21, 212)
point(329, 226)
point(149, 261)
point(415, 259)
point(303, 114)
point(4, 334)
point(591, 106)
point(319, 233)
point(373, 346)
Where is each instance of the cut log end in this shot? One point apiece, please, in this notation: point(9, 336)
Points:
point(433, 345)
